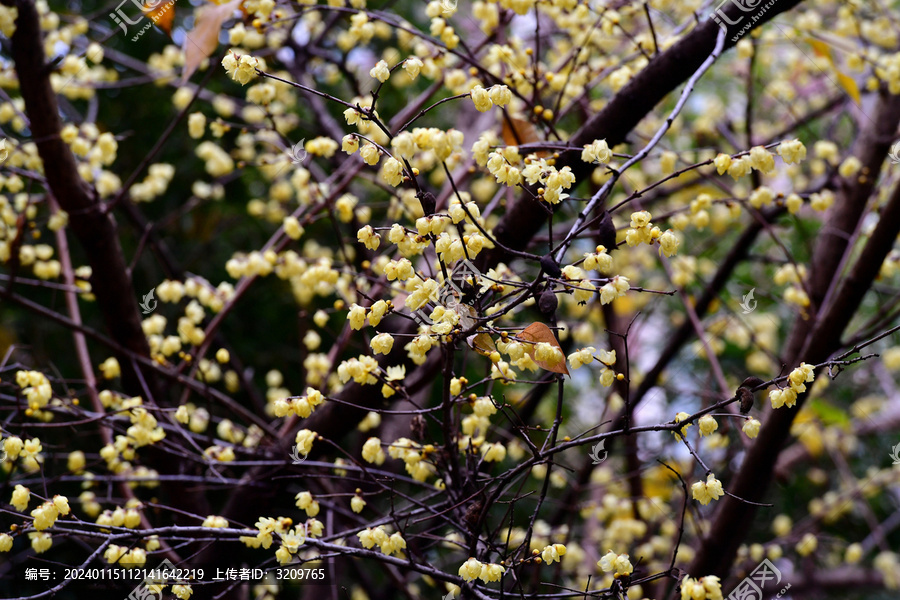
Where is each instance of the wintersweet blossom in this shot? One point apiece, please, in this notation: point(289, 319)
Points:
point(551, 554)
point(704, 492)
point(380, 71)
point(481, 98)
point(707, 424)
point(412, 66)
point(596, 152)
point(617, 563)
point(241, 68)
point(679, 418)
point(751, 428)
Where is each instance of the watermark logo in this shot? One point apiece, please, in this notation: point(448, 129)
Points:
point(749, 303)
point(298, 152)
point(751, 588)
point(449, 6)
point(894, 154)
point(146, 306)
point(4, 455)
point(895, 454)
point(152, 7)
point(746, 6)
point(296, 456)
point(595, 452)
point(450, 293)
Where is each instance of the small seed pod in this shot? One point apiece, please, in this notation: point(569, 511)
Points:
point(550, 266)
point(547, 303)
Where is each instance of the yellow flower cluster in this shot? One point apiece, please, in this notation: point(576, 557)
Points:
point(552, 181)
point(28, 451)
point(484, 99)
point(36, 388)
point(413, 455)
point(707, 424)
point(128, 517)
point(615, 288)
point(704, 492)
point(758, 158)
point(475, 569)
point(125, 556)
point(215, 522)
point(389, 544)
point(361, 370)
point(305, 501)
point(751, 428)
point(598, 260)
point(797, 381)
point(500, 164)
point(242, 68)
point(372, 451)
point(704, 588)
point(551, 554)
point(597, 152)
point(302, 406)
point(618, 564)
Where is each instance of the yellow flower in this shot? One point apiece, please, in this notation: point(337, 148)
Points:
point(62, 504)
point(370, 154)
point(304, 440)
point(619, 563)
point(585, 356)
point(382, 343)
point(707, 425)
point(761, 159)
point(471, 569)
point(751, 428)
point(792, 151)
point(110, 368)
point(551, 554)
point(392, 171)
point(807, 544)
point(704, 492)
point(350, 142)
point(616, 287)
point(493, 452)
point(491, 572)
point(357, 316)
point(241, 68)
point(740, 167)
point(596, 152)
point(372, 451)
point(20, 497)
point(668, 243)
point(678, 418)
point(412, 66)
point(380, 71)
point(849, 167)
point(722, 163)
point(500, 95)
point(481, 98)
point(40, 541)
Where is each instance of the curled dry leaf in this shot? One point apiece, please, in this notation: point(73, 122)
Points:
point(481, 343)
point(536, 333)
point(203, 39)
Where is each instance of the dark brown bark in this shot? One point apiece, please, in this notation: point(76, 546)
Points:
point(94, 228)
